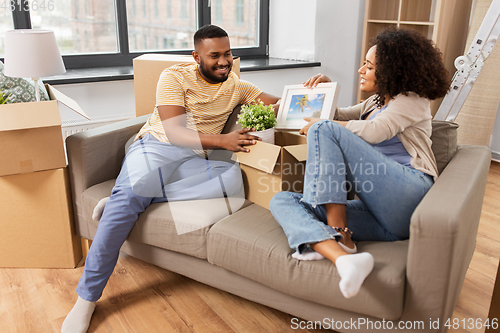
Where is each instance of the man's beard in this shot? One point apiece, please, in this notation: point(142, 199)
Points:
point(208, 72)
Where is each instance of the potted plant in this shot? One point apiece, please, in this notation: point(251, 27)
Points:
point(261, 117)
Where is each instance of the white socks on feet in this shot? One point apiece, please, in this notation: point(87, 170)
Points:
point(308, 255)
point(99, 208)
point(353, 270)
point(78, 319)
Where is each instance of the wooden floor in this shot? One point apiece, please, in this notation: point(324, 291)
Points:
point(144, 298)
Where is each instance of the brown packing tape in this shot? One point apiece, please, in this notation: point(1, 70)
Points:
point(26, 166)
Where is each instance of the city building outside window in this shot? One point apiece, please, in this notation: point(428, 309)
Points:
point(240, 11)
point(6, 23)
point(218, 11)
point(169, 8)
point(100, 33)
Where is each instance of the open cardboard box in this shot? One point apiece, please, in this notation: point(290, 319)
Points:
point(147, 70)
point(30, 134)
point(269, 169)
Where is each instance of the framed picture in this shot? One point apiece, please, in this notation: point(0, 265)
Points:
point(298, 102)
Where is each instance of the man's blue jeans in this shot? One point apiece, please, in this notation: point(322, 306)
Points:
point(152, 172)
point(339, 161)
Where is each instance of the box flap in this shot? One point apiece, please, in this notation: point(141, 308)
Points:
point(298, 151)
point(262, 156)
point(59, 96)
point(19, 116)
point(165, 57)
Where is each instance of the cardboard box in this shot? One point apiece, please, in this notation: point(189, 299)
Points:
point(147, 70)
point(268, 169)
point(37, 221)
point(30, 134)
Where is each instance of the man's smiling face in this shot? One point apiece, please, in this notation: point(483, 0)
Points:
point(214, 58)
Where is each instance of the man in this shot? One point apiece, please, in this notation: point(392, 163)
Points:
point(169, 160)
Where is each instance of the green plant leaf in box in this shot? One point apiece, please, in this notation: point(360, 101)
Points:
point(257, 115)
point(4, 98)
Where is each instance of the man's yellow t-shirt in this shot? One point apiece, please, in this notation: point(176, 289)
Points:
point(207, 105)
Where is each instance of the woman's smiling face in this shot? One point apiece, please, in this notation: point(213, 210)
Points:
point(368, 82)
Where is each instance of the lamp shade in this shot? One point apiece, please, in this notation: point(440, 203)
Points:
point(32, 53)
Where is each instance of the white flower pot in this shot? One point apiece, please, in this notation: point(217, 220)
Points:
point(267, 135)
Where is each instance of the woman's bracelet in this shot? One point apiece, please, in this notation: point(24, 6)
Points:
point(343, 229)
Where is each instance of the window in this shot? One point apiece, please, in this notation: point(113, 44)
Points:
point(169, 8)
point(184, 10)
point(239, 11)
point(100, 33)
point(218, 11)
point(243, 33)
point(6, 23)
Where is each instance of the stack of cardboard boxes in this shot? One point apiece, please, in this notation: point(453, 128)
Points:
point(36, 223)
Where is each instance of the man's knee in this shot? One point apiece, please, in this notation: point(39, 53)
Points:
point(233, 181)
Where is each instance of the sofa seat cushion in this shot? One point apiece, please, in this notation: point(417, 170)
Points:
point(252, 244)
point(156, 226)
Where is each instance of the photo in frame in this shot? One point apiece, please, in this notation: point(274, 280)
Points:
point(298, 102)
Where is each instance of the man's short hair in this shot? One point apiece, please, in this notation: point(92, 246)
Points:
point(209, 31)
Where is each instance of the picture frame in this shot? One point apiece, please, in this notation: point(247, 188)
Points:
point(298, 102)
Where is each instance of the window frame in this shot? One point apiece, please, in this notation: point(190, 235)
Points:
point(123, 57)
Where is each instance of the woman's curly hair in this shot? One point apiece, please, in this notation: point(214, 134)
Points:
point(406, 61)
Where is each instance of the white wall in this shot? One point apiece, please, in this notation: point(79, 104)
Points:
point(328, 31)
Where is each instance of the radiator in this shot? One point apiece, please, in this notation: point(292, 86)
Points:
point(74, 126)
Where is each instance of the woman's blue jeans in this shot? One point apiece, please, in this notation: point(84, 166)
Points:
point(152, 172)
point(339, 161)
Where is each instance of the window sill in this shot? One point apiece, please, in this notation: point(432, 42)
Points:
point(127, 72)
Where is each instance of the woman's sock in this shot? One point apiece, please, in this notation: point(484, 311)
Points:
point(353, 270)
point(78, 319)
point(310, 255)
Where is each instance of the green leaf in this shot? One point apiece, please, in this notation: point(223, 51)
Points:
point(257, 115)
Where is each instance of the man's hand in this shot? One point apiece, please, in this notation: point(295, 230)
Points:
point(310, 122)
point(236, 140)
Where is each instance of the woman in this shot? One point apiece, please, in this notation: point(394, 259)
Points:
point(380, 149)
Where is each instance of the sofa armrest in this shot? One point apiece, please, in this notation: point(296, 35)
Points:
point(443, 235)
point(95, 156)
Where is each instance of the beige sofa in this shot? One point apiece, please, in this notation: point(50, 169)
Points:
point(247, 254)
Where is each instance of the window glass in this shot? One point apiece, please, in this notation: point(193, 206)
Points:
point(173, 21)
point(239, 18)
point(217, 14)
point(6, 23)
point(80, 26)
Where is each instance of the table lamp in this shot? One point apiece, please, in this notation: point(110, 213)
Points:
point(32, 53)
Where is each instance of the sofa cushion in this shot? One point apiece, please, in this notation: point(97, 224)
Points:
point(156, 226)
point(444, 142)
point(19, 90)
point(251, 243)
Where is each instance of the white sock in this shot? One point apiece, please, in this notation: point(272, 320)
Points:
point(99, 208)
point(78, 319)
point(312, 255)
point(353, 270)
